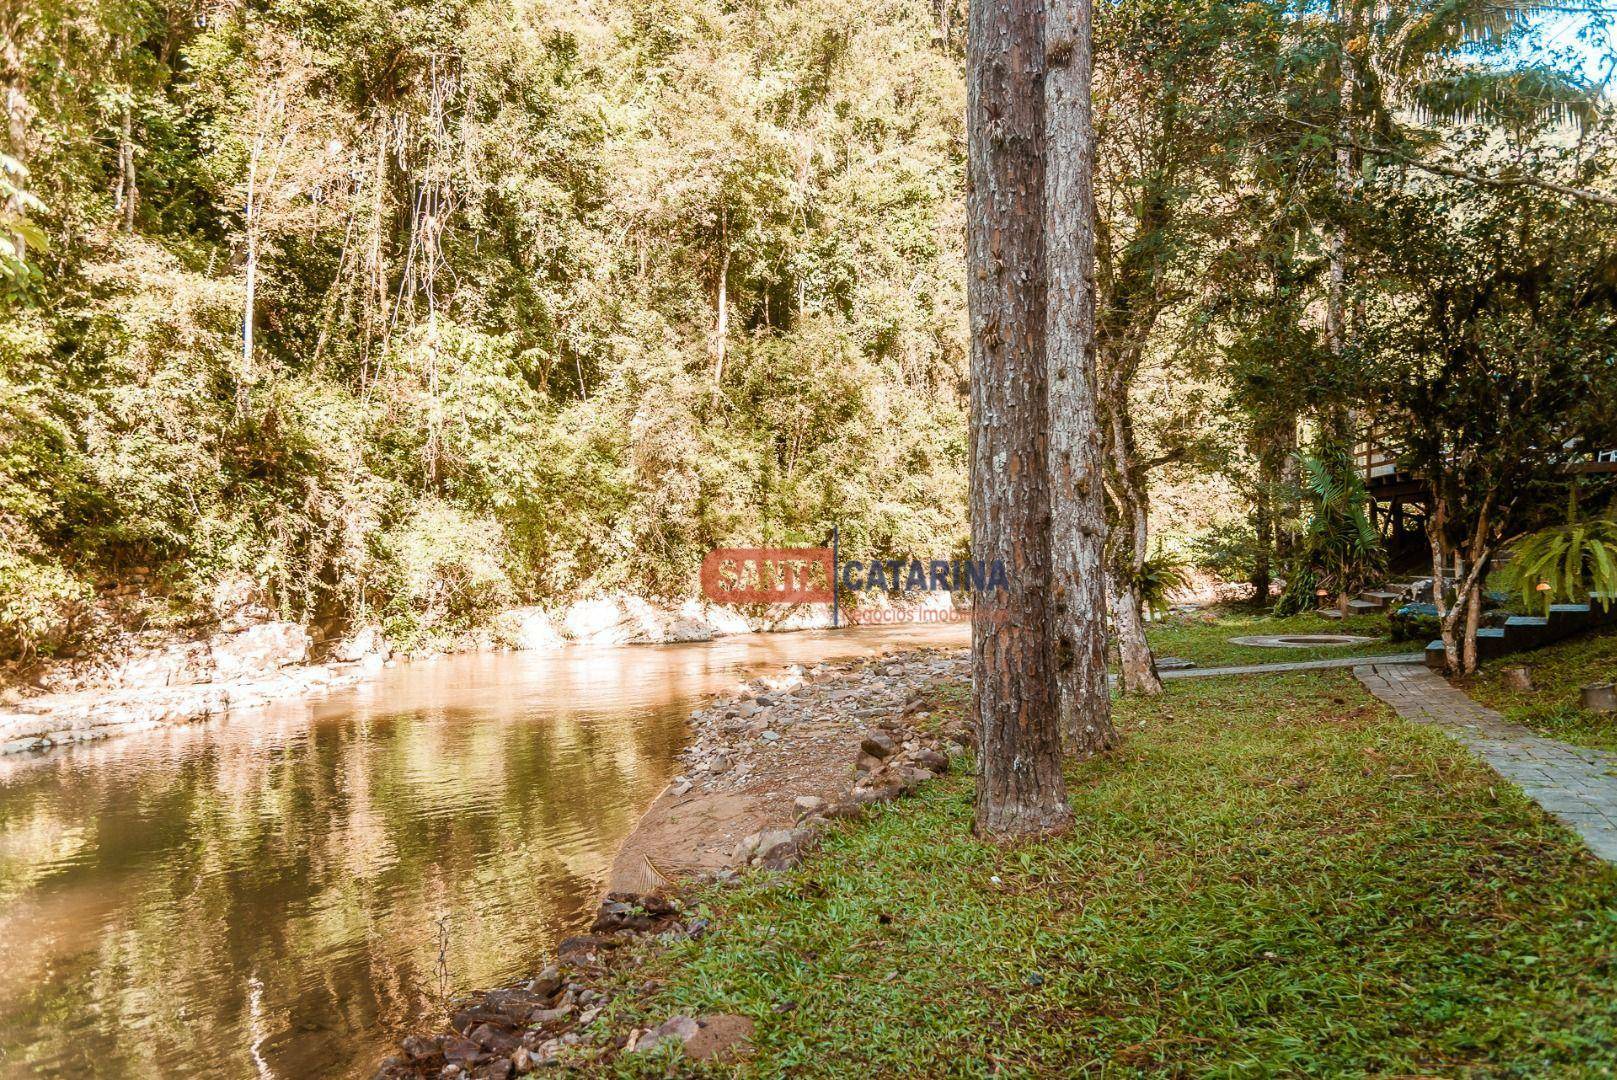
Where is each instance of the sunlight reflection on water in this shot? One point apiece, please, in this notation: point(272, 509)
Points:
point(260, 896)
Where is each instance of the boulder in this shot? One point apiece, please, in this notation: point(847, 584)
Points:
point(724, 620)
point(363, 643)
point(720, 1037)
point(529, 629)
point(258, 650)
point(597, 622)
point(781, 849)
point(176, 665)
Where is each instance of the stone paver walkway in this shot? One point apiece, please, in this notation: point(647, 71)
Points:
point(1291, 665)
point(1576, 785)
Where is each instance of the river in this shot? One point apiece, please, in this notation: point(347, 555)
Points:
point(280, 894)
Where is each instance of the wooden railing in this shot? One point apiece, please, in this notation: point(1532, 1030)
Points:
point(1371, 456)
point(1374, 460)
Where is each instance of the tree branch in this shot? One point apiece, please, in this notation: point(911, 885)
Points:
point(1480, 179)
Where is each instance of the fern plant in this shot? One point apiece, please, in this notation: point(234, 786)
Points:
point(1339, 548)
point(1575, 561)
point(1160, 575)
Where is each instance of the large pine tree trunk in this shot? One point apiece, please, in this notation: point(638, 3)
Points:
point(1077, 497)
point(1020, 788)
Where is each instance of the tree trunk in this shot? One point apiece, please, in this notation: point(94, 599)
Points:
point(1473, 622)
point(1338, 420)
point(1263, 559)
point(721, 329)
point(1136, 665)
point(250, 226)
point(1459, 624)
point(1077, 497)
point(1272, 446)
point(1020, 787)
point(1129, 534)
point(128, 192)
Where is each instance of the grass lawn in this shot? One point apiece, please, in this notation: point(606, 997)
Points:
point(1558, 672)
point(1275, 876)
point(1204, 636)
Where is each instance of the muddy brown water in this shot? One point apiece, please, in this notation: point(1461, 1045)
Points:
point(280, 894)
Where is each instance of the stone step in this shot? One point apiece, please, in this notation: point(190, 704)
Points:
point(1361, 607)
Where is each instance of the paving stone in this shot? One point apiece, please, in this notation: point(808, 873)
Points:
point(1577, 785)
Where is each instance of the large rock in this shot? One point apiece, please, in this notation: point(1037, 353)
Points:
point(259, 650)
point(797, 617)
point(364, 642)
point(651, 625)
point(629, 620)
point(724, 620)
point(530, 629)
point(600, 621)
point(718, 1037)
point(176, 665)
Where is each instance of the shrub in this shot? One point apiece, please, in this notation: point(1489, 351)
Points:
point(1230, 551)
point(1414, 622)
point(1574, 560)
point(445, 571)
point(41, 604)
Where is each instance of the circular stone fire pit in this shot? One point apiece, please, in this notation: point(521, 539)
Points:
point(1300, 641)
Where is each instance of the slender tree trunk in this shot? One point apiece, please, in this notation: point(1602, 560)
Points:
point(1077, 495)
point(1263, 560)
point(1128, 536)
point(1020, 787)
point(721, 330)
point(1338, 419)
point(249, 301)
point(1136, 665)
point(1459, 624)
point(1473, 622)
point(1272, 447)
point(128, 191)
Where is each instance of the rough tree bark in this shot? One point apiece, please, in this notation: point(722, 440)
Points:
point(1020, 788)
point(1125, 482)
point(1077, 497)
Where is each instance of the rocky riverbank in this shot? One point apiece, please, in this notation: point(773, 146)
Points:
point(151, 679)
point(769, 768)
point(179, 682)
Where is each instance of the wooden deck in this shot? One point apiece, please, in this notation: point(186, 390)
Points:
point(1377, 462)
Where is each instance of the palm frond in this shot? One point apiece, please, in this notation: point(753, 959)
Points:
point(1415, 33)
point(1474, 94)
point(1574, 561)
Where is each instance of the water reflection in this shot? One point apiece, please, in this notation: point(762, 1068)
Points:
point(269, 896)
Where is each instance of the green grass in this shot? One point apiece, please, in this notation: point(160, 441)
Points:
point(1559, 670)
point(1273, 877)
point(1204, 637)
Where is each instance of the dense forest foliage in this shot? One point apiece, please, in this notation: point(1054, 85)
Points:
point(407, 312)
point(416, 310)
